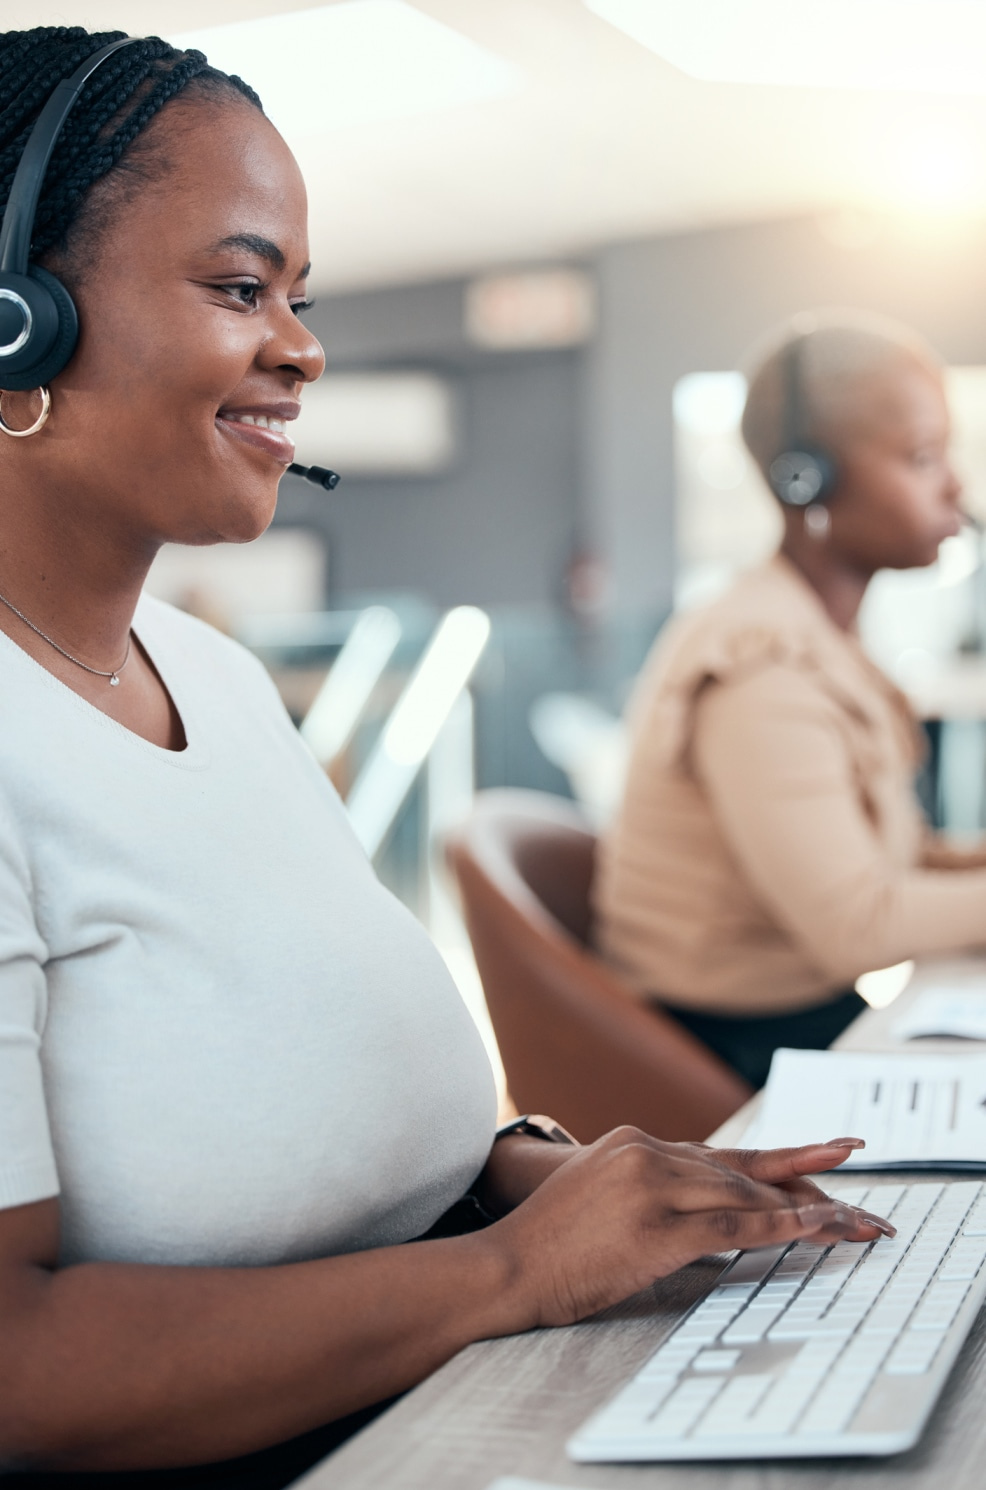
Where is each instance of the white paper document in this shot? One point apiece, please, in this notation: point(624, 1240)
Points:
point(914, 1111)
point(959, 1013)
point(512, 1482)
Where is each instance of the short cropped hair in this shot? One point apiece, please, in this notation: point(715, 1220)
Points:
point(841, 350)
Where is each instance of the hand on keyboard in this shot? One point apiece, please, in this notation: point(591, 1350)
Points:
point(812, 1349)
point(787, 1170)
point(630, 1209)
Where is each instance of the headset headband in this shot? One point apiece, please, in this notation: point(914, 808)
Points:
point(802, 472)
point(793, 432)
point(22, 203)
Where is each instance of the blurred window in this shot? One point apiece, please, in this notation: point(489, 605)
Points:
point(377, 424)
point(726, 520)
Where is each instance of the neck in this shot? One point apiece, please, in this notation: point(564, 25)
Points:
point(839, 584)
point(78, 584)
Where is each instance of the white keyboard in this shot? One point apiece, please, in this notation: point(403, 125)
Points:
point(808, 1350)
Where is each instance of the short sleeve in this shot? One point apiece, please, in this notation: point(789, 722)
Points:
point(27, 1162)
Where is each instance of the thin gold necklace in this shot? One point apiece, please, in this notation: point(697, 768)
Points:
point(113, 676)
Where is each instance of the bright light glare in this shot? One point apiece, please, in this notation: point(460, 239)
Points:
point(710, 403)
point(332, 719)
point(884, 984)
point(444, 670)
point(420, 715)
point(933, 169)
point(358, 63)
point(933, 46)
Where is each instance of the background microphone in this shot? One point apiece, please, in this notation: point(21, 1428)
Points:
point(319, 474)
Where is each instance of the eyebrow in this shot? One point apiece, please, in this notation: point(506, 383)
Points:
point(262, 247)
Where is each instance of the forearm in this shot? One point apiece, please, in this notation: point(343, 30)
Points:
point(782, 787)
point(940, 853)
point(109, 1367)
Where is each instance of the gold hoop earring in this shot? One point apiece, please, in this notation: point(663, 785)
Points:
point(39, 423)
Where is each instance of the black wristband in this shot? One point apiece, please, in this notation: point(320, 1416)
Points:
point(536, 1125)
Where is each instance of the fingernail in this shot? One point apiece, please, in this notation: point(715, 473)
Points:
point(824, 1215)
point(877, 1221)
point(845, 1143)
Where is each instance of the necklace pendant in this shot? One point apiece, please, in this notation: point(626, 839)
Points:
point(114, 681)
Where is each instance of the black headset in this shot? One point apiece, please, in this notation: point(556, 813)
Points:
point(39, 325)
point(803, 472)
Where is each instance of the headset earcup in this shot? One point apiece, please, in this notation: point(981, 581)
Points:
point(53, 334)
point(68, 330)
point(802, 476)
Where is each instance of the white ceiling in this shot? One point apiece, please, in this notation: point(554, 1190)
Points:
point(602, 141)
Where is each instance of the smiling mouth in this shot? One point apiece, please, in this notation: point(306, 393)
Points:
point(264, 432)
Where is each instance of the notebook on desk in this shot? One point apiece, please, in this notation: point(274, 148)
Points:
point(916, 1111)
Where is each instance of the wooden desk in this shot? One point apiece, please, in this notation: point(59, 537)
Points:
point(508, 1406)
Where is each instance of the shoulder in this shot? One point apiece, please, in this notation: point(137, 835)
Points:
point(768, 618)
point(768, 640)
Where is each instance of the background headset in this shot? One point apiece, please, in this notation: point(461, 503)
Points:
point(803, 472)
point(39, 325)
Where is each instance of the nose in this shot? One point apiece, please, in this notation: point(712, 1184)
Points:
point(292, 348)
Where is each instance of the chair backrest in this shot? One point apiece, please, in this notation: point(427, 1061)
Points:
point(575, 1041)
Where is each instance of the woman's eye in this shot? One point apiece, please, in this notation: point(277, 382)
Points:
point(300, 306)
point(245, 294)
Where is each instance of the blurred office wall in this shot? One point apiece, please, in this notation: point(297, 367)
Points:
point(562, 450)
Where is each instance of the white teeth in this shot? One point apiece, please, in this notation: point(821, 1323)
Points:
point(262, 421)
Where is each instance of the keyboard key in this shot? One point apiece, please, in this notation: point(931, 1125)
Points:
point(635, 1407)
point(939, 1307)
point(752, 1267)
point(914, 1354)
point(840, 1396)
point(730, 1413)
point(964, 1260)
point(753, 1324)
point(686, 1405)
point(716, 1360)
point(856, 1312)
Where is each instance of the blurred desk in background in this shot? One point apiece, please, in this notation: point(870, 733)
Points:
point(507, 1407)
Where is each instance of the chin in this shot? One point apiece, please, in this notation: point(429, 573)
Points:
point(246, 515)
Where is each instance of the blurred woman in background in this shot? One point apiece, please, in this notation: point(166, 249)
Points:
point(770, 847)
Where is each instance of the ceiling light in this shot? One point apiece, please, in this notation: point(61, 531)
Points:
point(934, 46)
point(361, 62)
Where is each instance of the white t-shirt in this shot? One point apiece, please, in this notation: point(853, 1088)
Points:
point(221, 1040)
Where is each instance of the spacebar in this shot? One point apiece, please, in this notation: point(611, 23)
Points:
point(751, 1266)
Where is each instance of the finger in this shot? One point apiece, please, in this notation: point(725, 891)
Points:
point(702, 1232)
point(704, 1187)
point(869, 1226)
point(776, 1165)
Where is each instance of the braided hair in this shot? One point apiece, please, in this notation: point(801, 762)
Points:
point(101, 134)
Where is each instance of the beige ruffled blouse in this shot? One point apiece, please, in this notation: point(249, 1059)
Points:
point(770, 848)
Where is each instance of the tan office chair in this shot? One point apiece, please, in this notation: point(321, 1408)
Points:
point(575, 1042)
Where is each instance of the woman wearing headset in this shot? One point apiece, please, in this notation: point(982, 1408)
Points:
point(234, 1076)
point(770, 848)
